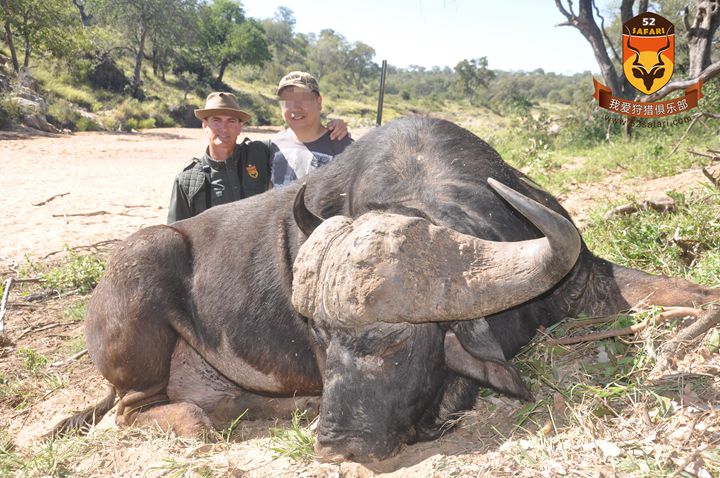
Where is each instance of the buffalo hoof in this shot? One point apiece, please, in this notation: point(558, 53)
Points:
point(352, 450)
point(182, 418)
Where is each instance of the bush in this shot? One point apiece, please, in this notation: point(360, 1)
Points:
point(134, 114)
point(104, 73)
point(81, 272)
point(587, 126)
point(62, 114)
point(10, 113)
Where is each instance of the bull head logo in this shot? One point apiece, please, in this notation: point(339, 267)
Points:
point(648, 52)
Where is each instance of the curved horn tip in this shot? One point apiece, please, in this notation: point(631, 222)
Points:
point(305, 219)
point(554, 226)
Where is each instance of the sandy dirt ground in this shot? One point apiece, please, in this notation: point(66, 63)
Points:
point(105, 185)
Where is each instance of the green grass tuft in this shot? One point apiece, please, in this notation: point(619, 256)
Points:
point(297, 442)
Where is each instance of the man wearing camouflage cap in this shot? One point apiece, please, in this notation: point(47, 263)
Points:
point(306, 145)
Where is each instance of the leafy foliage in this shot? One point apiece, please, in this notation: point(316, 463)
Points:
point(79, 272)
point(43, 26)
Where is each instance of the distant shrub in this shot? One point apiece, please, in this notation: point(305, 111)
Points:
point(134, 114)
point(587, 125)
point(104, 73)
point(10, 113)
point(62, 114)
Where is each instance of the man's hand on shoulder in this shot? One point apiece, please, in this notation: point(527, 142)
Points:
point(338, 129)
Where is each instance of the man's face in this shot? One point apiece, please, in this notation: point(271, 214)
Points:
point(222, 131)
point(300, 107)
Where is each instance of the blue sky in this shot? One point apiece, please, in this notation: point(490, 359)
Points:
point(513, 35)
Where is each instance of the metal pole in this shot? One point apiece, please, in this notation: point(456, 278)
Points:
point(382, 92)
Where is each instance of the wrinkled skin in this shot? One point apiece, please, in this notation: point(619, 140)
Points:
point(192, 323)
point(357, 422)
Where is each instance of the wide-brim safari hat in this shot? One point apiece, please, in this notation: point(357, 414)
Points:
point(220, 103)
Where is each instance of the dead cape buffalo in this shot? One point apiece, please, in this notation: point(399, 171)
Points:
point(425, 278)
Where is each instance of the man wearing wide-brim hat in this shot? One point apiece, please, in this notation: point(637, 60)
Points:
point(228, 171)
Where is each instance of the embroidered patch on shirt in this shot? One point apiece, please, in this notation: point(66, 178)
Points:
point(252, 171)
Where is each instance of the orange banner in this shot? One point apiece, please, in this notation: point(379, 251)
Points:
point(641, 109)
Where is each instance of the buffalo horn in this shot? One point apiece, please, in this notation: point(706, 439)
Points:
point(386, 267)
point(304, 218)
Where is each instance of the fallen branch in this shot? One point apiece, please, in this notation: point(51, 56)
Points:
point(49, 294)
point(42, 295)
point(660, 204)
point(38, 329)
point(41, 203)
point(3, 304)
point(85, 214)
point(714, 157)
point(713, 179)
point(673, 347)
point(94, 245)
point(29, 279)
point(69, 359)
point(667, 314)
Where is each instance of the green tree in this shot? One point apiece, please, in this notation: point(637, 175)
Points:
point(289, 50)
point(229, 37)
point(472, 75)
point(328, 55)
point(139, 21)
point(41, 26)
point(360, 66)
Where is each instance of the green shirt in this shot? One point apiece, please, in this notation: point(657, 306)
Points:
point(205, 183)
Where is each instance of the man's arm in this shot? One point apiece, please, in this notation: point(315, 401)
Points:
point(179, 204)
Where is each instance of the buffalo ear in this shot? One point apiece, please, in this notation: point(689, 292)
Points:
point(497, 374)
point(304, 218)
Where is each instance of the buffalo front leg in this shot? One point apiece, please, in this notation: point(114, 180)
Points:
point(128, 328)
point(193, 380)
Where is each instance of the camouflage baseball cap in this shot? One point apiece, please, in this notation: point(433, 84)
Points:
point(301, 79)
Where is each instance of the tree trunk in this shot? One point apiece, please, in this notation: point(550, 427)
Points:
point(155, 61)
point(137, 73)
point(700, 35)
point(585, 22)
point(11, 45)
point(221, 73)
point(28, 46)
point(86, 19)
